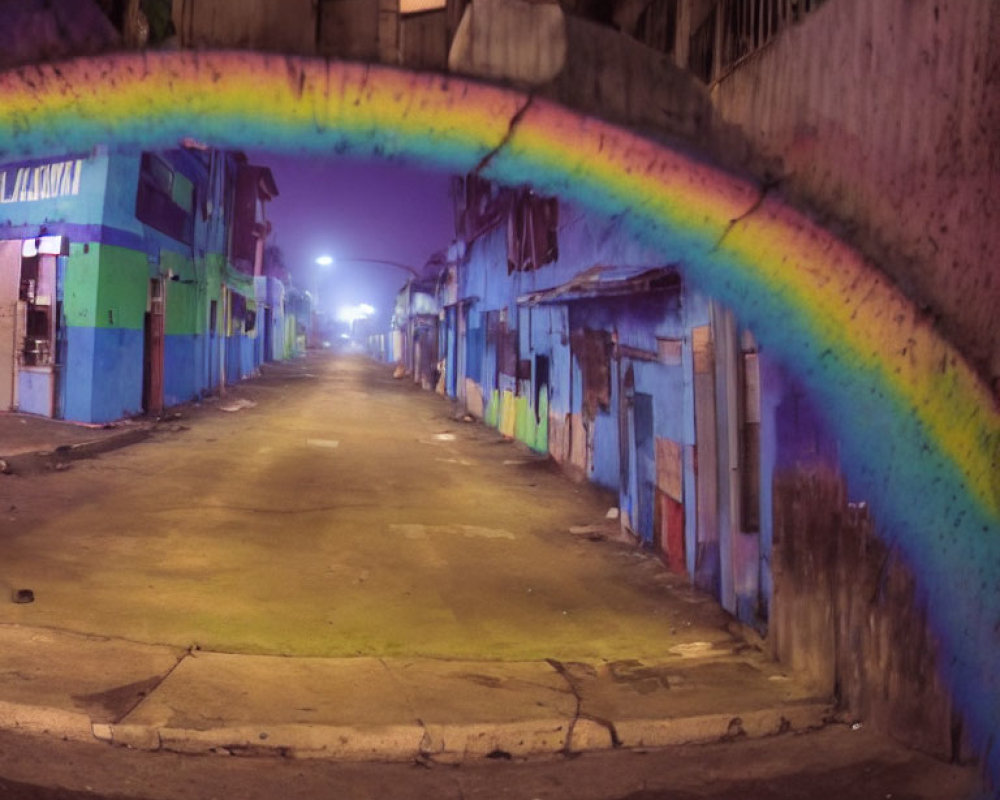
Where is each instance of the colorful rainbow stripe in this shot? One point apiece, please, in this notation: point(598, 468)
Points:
point(919, 432)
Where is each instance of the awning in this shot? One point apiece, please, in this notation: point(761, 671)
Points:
point(600, 281)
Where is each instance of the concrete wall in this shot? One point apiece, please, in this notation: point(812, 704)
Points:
point(884, 116)
point(288, 26)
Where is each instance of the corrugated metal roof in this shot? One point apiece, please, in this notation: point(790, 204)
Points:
point(604, 281)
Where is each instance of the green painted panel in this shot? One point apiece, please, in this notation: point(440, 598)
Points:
point(532, 430)
point(491, 416)
point(123, 288)
point(80, 285)
point(185, 307)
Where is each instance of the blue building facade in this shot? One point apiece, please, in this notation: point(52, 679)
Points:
point(132, 281)
point(561, 331)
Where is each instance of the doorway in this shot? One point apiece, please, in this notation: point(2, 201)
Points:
point(152, 363)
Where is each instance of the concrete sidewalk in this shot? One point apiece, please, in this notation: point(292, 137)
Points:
point(87, 688)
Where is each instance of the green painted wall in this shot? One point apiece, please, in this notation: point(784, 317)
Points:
point(122, 289)
point(185, 312)
point(80, 285)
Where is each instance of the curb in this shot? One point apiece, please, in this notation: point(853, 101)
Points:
point(48, 460)
point(70, 725)
point(457, 743)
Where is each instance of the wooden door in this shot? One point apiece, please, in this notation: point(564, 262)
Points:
point(152, 384)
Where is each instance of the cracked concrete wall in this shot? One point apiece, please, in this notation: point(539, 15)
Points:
point(884, 116)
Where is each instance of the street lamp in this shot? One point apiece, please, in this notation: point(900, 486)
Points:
point(399, 265)
point(322, 262)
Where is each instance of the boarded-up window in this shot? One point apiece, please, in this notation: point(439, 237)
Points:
point(237, 313)
point(160, 203)
point(592, 350)
point(484, 207)
point(532, 232)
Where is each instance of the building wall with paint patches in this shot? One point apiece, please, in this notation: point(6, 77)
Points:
point(118, 291)
point(581, 345)
point(605, 360)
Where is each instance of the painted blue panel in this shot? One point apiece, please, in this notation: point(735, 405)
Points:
point(666, 384)
point(451, 368)
point(102, 373)
point(78, 374)
point(605, 470)
point(212, 358)
point(117, 374)
point(233, 350)
point(560, 363)
point(247, 354)
point(34, 391)
point(181, 368)
point(475, 343)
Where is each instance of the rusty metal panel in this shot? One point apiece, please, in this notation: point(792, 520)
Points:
point(701, 346)
point(670, 524)
point(669, 351)
point(592, 350)
point(670, 468)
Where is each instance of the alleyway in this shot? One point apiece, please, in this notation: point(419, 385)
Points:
point(345, 514)
point(462, 591)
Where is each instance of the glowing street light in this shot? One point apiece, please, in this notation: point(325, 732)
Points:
point(352, 314)
point(324, 261)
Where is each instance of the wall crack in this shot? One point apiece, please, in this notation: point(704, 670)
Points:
point(765, 190)
point(511, 128)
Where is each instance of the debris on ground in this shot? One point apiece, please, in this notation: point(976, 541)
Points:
point(592, 532)
point(23, 596)
point(237, 405)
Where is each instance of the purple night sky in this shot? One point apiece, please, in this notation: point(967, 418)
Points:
point(346, 208)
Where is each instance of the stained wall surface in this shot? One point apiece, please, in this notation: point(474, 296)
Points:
point(884, 116)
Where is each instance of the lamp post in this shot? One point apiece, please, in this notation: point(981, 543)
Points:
point(323, 262)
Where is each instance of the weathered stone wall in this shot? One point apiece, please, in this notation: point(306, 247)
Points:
point(846, 612)
point(885, 117)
